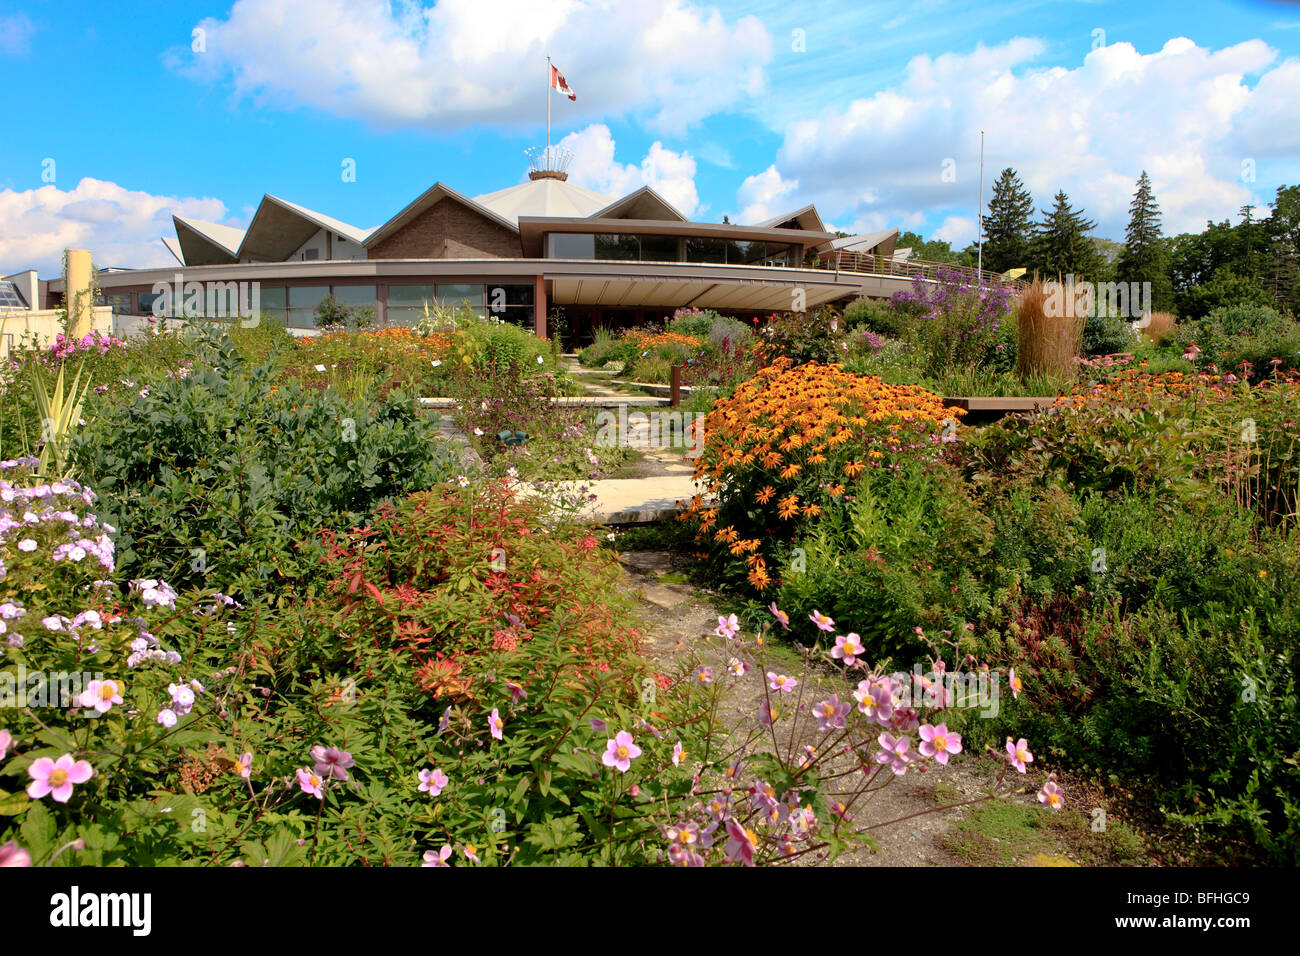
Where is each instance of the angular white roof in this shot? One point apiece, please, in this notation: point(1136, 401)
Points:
point(863, 241)
point(354, 233)
point(174, 247)
point(226, 237)
point(544, 197)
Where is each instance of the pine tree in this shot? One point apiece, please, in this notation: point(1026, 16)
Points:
point(1144, 258)
point(1062, 246)
point(1008, 228)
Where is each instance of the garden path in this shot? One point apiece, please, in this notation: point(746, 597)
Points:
point(681, 621)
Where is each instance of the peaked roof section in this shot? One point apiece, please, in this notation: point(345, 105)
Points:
point(805, 218)
point(554, 198)
point(644, 203)
point(279, 227)
point(207, 243)
point(174, 248)
point(436, 193)
point(868, 241)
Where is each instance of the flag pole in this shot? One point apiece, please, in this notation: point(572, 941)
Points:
point(548, 111)
point(979, 267)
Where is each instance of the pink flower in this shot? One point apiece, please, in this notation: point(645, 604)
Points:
point(831, 713)
point(6, 740)
point(727, 626)
point(437, 859)
point(1016, 685)
point(597, 725)
point(167, 717)
point(875, 700)
point(471, 852)
point(821, 620)
point(741, 844)
point(495, 724)
point(847, 647)
point(11, 854)
point(311, 783)
point(704, 675)
point(56, 777)
point(1018, 754)
point(767, 714)
point(432, 781)
point(1050, 796)
point(893, 751)
point(244, 765)
point(517, 692)
point(620, 752)
point(781, 682)
point(781, 617)
point(737, 667)
point(101, 695)
point(332, 762)
point(678, 753)
point(938, 743)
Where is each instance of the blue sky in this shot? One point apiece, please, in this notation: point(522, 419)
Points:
point(872, 111)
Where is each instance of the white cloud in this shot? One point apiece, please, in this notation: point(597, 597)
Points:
point(762, 196)
point(1188, 115)
point(957, 230)
point(15, 34)
point(120, 227)
point(668, 173)
point(466, 62)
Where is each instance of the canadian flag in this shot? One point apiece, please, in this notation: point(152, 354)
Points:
point(558, 82)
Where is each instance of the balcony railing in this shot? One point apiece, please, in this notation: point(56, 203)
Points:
point(871, 264)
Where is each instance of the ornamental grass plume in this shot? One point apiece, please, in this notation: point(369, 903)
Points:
point(1049, 344)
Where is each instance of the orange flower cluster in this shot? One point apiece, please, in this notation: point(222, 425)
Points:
point(1134, 386)
point(790, 440)
point(647, 340)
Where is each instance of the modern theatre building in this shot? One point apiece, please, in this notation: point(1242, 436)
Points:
point(519, 253)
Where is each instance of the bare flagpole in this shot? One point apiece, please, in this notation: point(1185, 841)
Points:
point(548, 111)
point(979, 268)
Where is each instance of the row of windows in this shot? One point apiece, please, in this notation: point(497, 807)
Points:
point(296, 305)
point(637, 248)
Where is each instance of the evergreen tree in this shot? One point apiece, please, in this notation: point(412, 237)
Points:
point(1144, 258)
point(1062, 246)
point(1008, 228)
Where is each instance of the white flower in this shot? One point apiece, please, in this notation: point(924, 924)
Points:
point(462, 480)
point(27, 544)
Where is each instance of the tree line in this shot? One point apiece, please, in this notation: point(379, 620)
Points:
point(1255, 260)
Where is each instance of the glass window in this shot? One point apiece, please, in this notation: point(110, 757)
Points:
point(121, 303)
point(451, 294)
point(661, 249)
point(406, 303)
point(270, 303)
point(302, 305)
point(353, 295)
point(706, 250)
point(571, 246)
point(618, 247)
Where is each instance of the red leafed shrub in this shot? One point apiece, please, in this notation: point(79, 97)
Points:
point(446, 576)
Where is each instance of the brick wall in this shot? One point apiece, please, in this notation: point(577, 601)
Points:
point(449, 230)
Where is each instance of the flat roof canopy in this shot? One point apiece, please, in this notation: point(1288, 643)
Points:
point(760, 295)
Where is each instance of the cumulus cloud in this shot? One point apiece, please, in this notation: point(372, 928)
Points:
point(763, 196)
point(121, 227)
point(670, 174)
point(1191, 116)
point(465, 62)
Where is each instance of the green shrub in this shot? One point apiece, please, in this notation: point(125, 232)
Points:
point(1107, 334)
point(211, 478)
point(876, 315)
